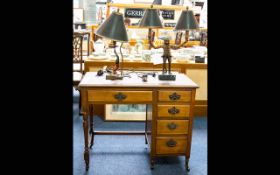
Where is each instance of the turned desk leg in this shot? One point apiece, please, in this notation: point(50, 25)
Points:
point(91, 131)
point(187, 165)
point(152, 162)
point(80, 103)
point(146, 142)
point(86, 151)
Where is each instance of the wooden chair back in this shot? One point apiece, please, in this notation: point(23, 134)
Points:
point(78, 50)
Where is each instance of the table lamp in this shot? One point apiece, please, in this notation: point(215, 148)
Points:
point(186, 22)
point(150, 20)
point(113, 28)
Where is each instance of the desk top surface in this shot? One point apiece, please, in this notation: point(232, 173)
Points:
point(90, 79)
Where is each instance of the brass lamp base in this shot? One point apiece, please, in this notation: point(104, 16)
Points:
point(114, 77)
point(167, 77)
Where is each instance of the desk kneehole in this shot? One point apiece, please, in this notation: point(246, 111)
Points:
point(119, 96)
point(171, 145)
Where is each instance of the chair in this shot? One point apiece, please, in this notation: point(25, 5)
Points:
point(77, 62)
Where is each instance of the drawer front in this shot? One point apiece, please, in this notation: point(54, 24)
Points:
point(173, 110)
point(175, 96)
point(119, 96)
point(171, 145)
point(172, 126)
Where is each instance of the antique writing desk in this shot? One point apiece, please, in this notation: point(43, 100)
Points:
point(169, 112)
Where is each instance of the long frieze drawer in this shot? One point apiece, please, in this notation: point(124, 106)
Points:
point(180, 96)
point(119, 96)
point(171, 145)
point(172, 126)
point(173, 110)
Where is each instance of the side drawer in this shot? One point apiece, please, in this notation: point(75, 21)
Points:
point(172, 126)
point(171, 145)
point(119, 96)
point(174, 96)
point(173, 110)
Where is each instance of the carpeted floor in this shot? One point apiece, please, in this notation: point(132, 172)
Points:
point(128, 155)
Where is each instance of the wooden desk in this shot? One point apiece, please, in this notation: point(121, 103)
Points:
point(169, 112)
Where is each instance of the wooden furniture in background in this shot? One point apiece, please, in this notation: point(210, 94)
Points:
point(77, 60)
point(196, 71)
point(200, 76)
point(85, 34)
point(169, 112)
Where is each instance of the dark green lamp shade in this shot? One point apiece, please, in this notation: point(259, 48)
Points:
point(157, 2)
point(186, 21)
point(151, 19)
point(113, 28)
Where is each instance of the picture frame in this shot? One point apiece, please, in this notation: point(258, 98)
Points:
point(125, 112)
point(78, 15)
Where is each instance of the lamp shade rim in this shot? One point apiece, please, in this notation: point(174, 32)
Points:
point(183, 29)
point(123, 41)
point(151, 26)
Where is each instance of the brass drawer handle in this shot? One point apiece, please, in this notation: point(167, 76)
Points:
point(174, 96)
point(173, 110)
point(172, 126)
point(171, 143)
point(120, 96)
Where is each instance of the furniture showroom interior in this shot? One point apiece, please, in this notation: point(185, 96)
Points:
point(140, 87)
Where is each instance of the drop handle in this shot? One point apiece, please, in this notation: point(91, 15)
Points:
point(172, 126)
point(171, 143)
point(174, 96)
point(120, 96)
point(173, 110)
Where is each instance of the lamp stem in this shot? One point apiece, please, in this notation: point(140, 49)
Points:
point(150, 38)
point(186, 37)
point(116, 67)
point(121, 59)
